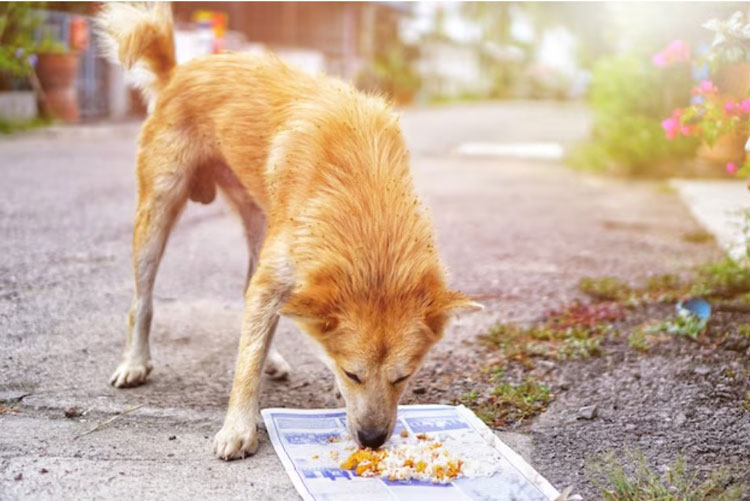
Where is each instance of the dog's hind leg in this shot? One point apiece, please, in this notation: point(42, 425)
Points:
point(162, 193)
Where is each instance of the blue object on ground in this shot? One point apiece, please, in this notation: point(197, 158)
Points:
point(695, 306)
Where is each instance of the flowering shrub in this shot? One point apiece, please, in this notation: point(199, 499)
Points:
point(710, 116)
point(676, 52)
point(629, 96)
point(17, 24)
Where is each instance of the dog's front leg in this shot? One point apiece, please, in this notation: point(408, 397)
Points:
point(238, 437)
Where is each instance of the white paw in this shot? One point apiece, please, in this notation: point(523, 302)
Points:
point(276, 367)
point(129, 374)
point(233, 443)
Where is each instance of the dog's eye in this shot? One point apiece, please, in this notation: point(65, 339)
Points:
point(353, 377)
point(401, 379)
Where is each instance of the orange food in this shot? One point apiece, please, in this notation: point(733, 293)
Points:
point(364, 461)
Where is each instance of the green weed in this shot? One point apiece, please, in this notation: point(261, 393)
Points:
point(698, 237)
point(641, 483)
point(637, 340)
point(604, 288)
point(725, 278)
point(681, 325)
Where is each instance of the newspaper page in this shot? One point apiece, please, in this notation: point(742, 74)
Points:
point(312, 444)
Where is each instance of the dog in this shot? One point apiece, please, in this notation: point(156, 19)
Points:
point(319, 175)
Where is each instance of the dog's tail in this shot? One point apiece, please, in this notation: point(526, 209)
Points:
point(140, 38)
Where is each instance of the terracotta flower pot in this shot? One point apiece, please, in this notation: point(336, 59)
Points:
point(733, 80)
point(57, 76)
point(729, 147)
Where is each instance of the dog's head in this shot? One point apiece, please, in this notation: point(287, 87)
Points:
point(374, 346)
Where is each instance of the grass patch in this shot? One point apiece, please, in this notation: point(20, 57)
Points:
point(8, 127)
point(572, 332)
point(681, 325)
point(617, 482)
point(745, 404)
point(658, 288)
point(509, 403)
point(638, 340)
point(723, 279)
point(744, 330)
point(604, 288)
point(698, 237)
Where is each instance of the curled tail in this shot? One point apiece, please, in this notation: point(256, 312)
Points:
point(140, 38)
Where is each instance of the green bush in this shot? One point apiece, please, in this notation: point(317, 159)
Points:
point(18, 20)
point(630, 97)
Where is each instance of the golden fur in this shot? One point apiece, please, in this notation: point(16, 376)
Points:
point(319, 174)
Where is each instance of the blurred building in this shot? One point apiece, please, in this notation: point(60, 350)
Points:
point(452, 69)
point(343, 34)
point(339, 38)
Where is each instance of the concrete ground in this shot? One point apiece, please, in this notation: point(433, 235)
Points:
point(719, 205)
point(518, 234)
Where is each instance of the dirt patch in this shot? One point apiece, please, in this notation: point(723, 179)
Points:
point(682, 397)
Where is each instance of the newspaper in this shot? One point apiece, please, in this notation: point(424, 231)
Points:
point(312, 444)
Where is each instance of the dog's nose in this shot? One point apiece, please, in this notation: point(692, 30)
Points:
point(372, 438)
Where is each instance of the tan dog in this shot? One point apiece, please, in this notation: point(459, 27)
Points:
point(319, 175)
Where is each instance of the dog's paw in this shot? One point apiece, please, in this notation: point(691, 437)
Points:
point(276, 367)
point(233, 443)
point(129, 374)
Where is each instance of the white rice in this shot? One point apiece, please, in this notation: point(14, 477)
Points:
point(441, 459)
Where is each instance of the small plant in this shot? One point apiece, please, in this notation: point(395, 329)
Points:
point(18, 20)
point(50, 45)
point(698, 237)
point(682, 324)
point(638, 340)
point(470, 397)
point(604, 288)
point(616, 482)
point(725, 278)
point(522, 400)
point(745, 405)
point(508, 403)
point(574, 332)
point(661, 283)
point(744, 330)
point(574, 348)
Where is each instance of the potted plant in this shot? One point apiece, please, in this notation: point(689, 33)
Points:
point(57, 68)
point(729, 60)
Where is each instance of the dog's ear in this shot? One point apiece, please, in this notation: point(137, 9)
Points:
point(451, 304)
point(303, 309)
point(458, 303)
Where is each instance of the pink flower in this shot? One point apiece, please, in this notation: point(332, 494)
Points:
point(745, 106)
point(730, 107)
point(677, 51)
point(731, 168)
point(705, 87)
point(685, 130)
point(671, 127)
point(659, 59)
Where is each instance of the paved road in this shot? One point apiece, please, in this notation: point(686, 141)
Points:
point(518, 233)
